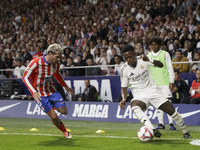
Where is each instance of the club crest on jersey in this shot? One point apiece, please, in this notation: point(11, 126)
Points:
point(141, 66)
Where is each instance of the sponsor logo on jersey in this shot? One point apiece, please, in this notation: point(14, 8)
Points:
point(131, 74)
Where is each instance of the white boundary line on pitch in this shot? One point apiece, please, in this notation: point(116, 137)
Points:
point(91, 136)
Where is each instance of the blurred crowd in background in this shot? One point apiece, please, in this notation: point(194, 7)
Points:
point(93, 32)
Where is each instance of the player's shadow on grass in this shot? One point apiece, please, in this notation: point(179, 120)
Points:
point(162, 141)
point(59, 141)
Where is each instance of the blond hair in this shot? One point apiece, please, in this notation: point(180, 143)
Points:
point(55, 48)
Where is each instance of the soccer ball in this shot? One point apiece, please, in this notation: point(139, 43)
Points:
point(145, 134)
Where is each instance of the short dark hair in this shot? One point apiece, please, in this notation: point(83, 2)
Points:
point(157, 40)
point(117, 56)
point(178, 50)
point(70, 58)
point(72, 52)
point(19, 60)
point(39, 41)
point(90, 58)
point(79, 56)
point(99, 38)
point(112, 41)
point(127, 48)
point(177, 70)
point(87, 79)
point(125, 43)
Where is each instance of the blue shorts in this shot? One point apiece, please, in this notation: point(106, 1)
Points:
point(54, 100)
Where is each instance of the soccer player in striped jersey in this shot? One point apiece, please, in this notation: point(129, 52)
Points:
point(136, 73)
point(38, 79)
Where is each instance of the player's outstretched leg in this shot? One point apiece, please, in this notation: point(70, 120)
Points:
point(168, 108)
point(160, 115)
point(145, 120)
point(58, 123)
point(179, 121)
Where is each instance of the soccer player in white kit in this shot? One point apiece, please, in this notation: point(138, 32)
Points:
point(136, 73)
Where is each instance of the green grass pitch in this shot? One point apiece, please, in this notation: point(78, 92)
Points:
point(17, 136)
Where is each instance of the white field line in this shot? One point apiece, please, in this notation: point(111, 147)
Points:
point(121, 137)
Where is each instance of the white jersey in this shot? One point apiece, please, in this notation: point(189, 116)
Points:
point(139, 78)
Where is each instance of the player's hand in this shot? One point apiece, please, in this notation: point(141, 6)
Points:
point(171, 86)
point(122, 104)
point(69, 90)
point(144, 57)
point(37, 97)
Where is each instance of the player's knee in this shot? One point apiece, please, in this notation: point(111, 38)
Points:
point(64, 112)
point(140, 105)
point(135, 109)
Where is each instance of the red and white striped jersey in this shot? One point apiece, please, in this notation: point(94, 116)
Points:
point(38, 76)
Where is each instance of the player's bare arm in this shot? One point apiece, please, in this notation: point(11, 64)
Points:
point(62, 82)
point(174, 89)
point(171, 85)
point(156, 63)
point(37, 97)
point(124, 96)
point(69, 90)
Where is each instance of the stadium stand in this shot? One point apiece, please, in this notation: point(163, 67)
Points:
point(84, 27)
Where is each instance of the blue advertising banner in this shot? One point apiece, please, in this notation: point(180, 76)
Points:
point(94, 111)
point(188, 77)
point(108, 86)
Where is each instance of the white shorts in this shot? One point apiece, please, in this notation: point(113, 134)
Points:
point(165, 91)
point(152, 96)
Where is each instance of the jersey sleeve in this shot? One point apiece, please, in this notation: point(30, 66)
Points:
point(124, 78)
point(28, 72)
point(59, 77)
point(169, 67)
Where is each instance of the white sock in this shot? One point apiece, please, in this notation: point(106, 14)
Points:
point(160, 114)
point(142, 116)
point(170, 119)
point(179, 121)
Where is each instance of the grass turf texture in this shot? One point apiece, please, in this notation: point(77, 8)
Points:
point(117, 136)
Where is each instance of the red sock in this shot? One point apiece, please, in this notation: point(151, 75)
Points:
point(62, 128)
point(54, 108)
